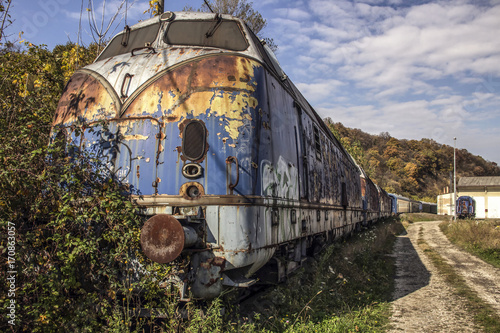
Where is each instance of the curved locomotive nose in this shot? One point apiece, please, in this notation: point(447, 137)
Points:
point(163, 238)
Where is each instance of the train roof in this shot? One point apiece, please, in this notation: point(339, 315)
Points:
point(478, 181)
point(397, 196)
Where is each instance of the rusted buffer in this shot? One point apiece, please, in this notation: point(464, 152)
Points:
point(239, 177)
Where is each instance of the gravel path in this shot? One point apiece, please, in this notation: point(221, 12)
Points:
point(423, 302)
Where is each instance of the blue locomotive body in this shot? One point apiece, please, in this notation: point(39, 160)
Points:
point(234, 169)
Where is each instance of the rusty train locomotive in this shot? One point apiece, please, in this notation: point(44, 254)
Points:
point(234, 168)
point(465, 207)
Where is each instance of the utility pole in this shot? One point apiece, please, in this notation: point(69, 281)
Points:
point(161, 7)
point(455, 179)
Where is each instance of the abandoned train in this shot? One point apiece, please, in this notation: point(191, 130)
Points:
point(465, 207)
point(234, 168)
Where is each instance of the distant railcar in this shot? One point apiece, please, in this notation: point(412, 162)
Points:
point(385, 203)
point(400, 204)
point(429, 207)
point(415, 206)
point(465, 207)
point(370, 199)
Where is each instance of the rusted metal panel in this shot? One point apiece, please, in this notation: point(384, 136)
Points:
point(222, 94)
point(85, 98)
point(245, 236)
point(129, 150)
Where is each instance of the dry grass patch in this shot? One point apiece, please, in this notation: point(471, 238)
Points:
point(479, 237)
point(484, 315)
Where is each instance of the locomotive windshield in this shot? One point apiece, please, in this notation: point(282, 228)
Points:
point(131, 39)
point(223, 34)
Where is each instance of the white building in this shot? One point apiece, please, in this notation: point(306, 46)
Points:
point(484, 190)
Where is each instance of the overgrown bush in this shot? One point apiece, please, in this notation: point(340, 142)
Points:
point(73, 230)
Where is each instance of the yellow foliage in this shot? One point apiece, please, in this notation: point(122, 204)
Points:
point(76, 58)
point(154, 8)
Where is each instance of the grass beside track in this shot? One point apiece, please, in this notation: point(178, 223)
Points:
point(422, 217)
point(346, 289)
point(483, 314)
point(478, 237)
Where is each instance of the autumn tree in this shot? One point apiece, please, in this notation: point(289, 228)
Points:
point(415, 168)
point(75, 227)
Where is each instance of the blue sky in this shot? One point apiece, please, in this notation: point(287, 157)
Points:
point(415, 69)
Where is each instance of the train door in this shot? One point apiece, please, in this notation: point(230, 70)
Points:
point(312, 159)
point(301, 157)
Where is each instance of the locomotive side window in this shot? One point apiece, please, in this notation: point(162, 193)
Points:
point(194, 140)
point(129, 40)
point(219, 34)
point(317, 143)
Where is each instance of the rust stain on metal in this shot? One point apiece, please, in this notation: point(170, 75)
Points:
point(189, 90)
point(218, 261)
point(135, 137)
point(160, 135)
point(84, 96)
point(192, 191)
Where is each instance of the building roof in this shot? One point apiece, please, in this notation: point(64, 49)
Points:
point(478, 181)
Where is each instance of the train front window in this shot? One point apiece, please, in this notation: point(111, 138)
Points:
point(129, 40)
point(213, 33)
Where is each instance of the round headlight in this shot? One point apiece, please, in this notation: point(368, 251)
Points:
point(192, 191)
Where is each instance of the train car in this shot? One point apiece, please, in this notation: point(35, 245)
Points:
point(465, 207)
point(370, 199)
point(400, 204)
point(394, 203)
point(429, 207)
point(385, 203)
point(415, 206)
point(433, 208)
point(237, 175)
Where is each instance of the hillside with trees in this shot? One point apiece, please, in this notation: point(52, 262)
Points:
point(419, 169)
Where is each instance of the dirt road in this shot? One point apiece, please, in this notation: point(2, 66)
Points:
point(423, 302)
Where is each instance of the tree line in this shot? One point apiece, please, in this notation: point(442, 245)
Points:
point(419, 169)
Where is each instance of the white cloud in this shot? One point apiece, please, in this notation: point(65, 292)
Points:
point(318, 90)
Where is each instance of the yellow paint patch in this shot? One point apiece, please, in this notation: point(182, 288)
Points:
point(135, 137)
point(220, 87)
point(233, 128)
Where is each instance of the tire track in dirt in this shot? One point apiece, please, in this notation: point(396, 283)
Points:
point(482, 277)
point(422, 300)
